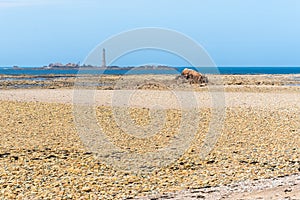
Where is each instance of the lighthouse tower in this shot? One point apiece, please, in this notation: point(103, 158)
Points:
point(103, 58)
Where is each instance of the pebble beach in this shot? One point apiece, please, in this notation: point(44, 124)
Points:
point(256, 155)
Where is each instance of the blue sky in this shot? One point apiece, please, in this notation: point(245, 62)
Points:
point(233, 32)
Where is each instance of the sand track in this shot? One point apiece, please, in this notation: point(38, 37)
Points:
point(287, 187)
point(148, 98)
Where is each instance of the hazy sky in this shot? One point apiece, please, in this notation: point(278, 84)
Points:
point(233, 32)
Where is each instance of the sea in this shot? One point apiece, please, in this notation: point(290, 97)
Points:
point(175, 70)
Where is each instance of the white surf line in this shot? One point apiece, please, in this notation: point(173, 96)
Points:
point(153, 98)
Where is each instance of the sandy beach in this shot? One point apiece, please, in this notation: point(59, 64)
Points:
point(256, 155)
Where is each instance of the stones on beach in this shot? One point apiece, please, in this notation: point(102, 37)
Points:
point(42, 155)
point(150, 82)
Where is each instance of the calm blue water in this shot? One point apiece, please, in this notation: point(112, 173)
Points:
point(205, 70)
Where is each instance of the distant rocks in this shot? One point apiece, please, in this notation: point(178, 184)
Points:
point(60, 65)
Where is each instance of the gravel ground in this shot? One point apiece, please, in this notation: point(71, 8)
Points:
point(43, 157)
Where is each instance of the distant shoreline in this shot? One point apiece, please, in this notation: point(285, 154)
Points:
point(114, 70)
point(89, 67)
